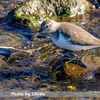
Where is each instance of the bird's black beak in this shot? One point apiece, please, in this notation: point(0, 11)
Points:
point(41, 30)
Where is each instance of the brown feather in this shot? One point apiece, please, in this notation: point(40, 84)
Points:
point(78, 35)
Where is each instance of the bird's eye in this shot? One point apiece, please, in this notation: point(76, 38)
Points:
point(46, 26)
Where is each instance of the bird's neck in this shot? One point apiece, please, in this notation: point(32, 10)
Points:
point(55, 35)
point(55, 31)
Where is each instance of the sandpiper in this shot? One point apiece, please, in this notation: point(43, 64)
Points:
point(69, 36)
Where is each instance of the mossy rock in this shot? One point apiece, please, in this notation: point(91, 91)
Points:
point(33, 12)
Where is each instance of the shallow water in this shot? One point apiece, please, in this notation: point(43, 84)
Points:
point(20, 71)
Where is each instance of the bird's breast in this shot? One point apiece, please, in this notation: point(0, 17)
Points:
point(62, 41)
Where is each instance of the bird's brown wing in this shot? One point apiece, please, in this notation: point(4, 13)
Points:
point(78, 35)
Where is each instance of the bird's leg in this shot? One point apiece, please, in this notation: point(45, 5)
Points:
point(76, 57)
point(84, 53)
point(71, 58)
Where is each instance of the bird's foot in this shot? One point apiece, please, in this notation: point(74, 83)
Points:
point(75, 58)
point(70, 57)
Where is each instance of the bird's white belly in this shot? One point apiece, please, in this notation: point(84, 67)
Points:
point(65, 43)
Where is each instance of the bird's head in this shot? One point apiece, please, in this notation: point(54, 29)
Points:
point(49, 26)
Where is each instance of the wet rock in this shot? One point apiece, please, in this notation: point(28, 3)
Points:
point(73, 70)
point(41, 37)
point(9, 74)
point(88, 68)
point(63, 68)
point(5, 52)
point(2, 61)
point(18, 56)
point(97, 74)
point(8, 39)
point(33, 12)
point(22, 63)
point(42, 71)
